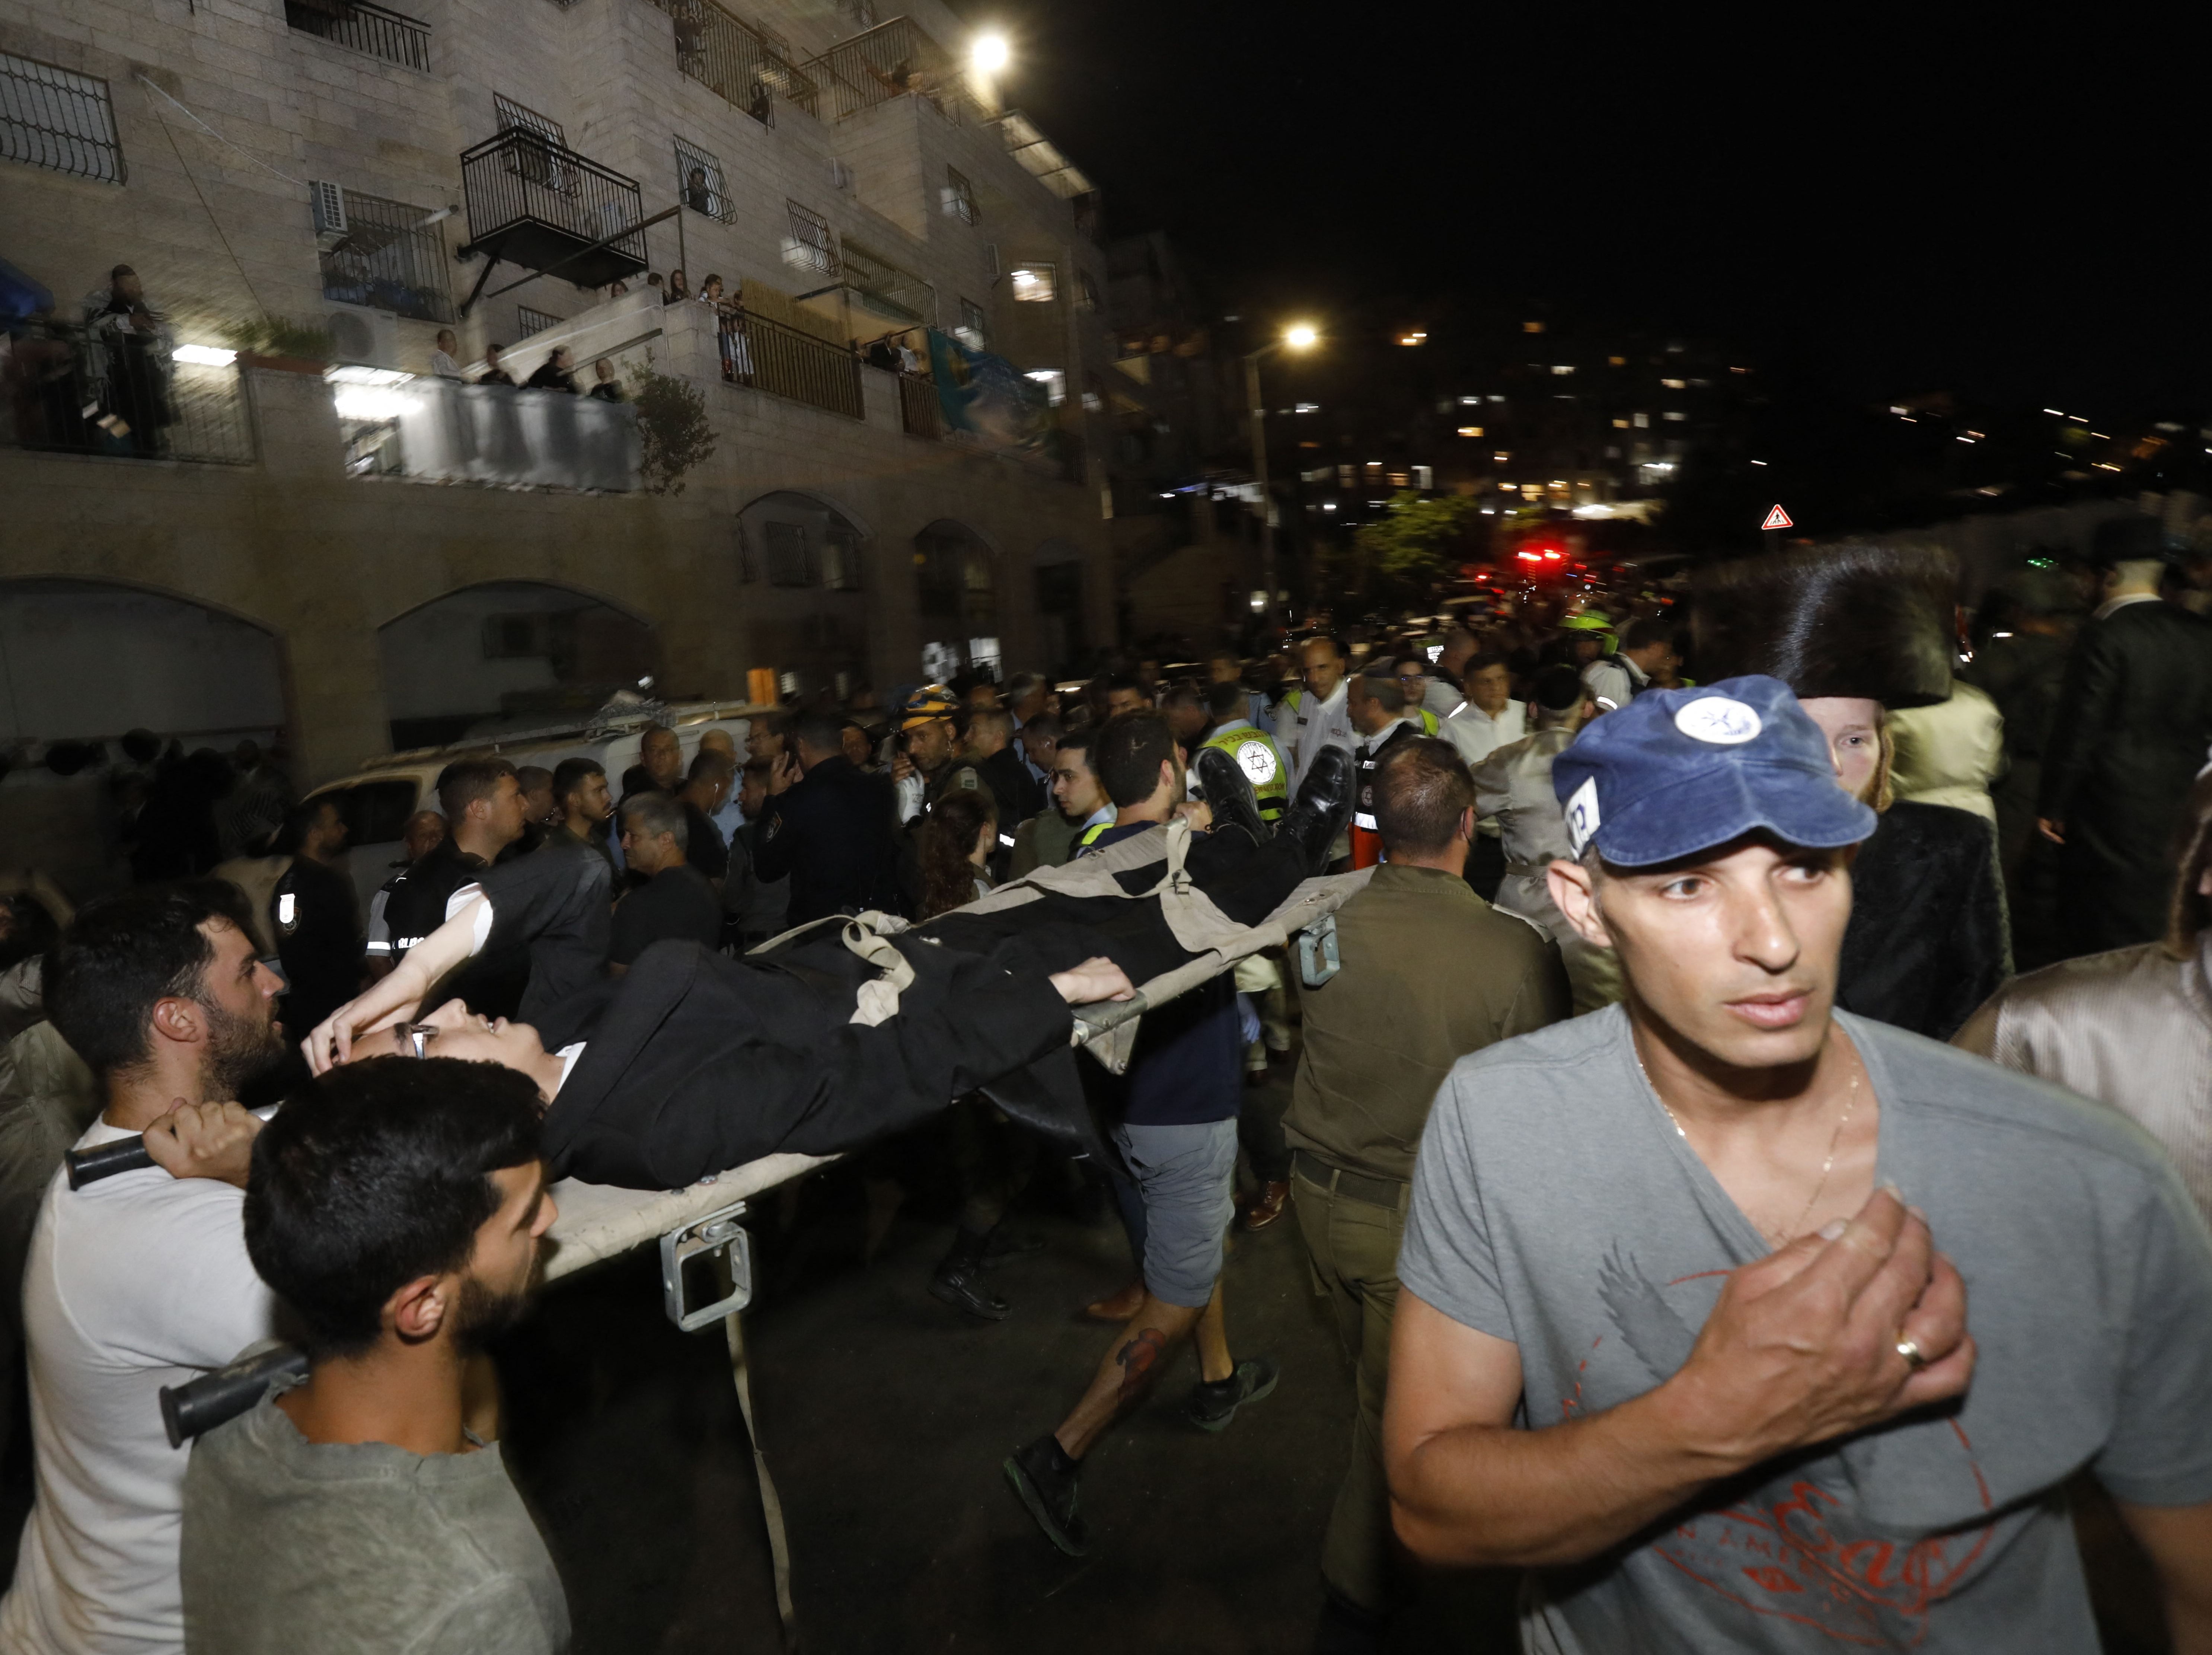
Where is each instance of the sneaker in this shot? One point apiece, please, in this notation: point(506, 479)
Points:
point(960, 1286)
point(1049, 1494)
point(1213, 1406)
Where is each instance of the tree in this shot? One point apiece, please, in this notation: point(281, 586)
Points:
point(1424, 537)
point(671, 425)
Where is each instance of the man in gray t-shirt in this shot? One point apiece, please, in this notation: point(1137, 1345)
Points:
point(396, 1207)
point(1671, 1336)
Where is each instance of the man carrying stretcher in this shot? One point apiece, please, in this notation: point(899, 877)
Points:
point(693, 1062)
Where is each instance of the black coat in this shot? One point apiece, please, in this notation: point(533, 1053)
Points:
point(1927, 942)
point(830, 833)
point(2134, 723)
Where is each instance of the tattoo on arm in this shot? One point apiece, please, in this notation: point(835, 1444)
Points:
point(1138, 1359)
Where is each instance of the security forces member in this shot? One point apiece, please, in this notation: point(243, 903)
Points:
point(1253, 750)
point(827, 825)
point(1378, 713)
point(1318, 716)
point(931, 764)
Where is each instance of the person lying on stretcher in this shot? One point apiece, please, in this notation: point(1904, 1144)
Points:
point(694, 1062)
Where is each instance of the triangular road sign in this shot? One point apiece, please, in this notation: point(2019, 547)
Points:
point(1778, 519)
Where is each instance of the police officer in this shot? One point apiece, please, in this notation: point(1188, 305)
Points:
point(1378, 713)
point(826, 825)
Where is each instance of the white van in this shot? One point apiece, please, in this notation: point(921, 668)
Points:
point(377, 799)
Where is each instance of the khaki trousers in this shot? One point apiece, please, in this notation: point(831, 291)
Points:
point(1353, 1246)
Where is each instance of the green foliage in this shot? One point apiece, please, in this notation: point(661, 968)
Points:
point(671, 419)
point(279, 336)
point(1422, 539)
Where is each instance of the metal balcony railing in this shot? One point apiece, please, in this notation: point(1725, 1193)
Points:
point(786, 362)
point(736, 61)
point(107, 392)
point(920, 411)
point(363, 27)
point(538, 204)
point(888, 61)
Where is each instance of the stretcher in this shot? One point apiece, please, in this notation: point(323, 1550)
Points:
point(705, 1249)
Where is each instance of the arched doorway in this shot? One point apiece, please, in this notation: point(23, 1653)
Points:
point(82, 663)
point(806, 566)
point(506, 655)
point(956, 595)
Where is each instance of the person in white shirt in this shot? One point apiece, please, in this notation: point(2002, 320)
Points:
point(1318, 716)
point(1647, 647)
point(1490, 718)
point(443, 363)
point(141, 1280)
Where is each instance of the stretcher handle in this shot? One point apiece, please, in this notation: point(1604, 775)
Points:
point(200, 1405)
point(105, 1160)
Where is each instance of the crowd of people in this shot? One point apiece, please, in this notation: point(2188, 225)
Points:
point(1722, 1232)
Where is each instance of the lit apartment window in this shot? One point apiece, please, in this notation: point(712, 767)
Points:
point(1034, 284)
point(1672, 385)
point(1054, 382)
point(1676, 414)
point(960, 197)
point(699, 184)
point(1532, 327)
point(1425, 477)
point(972, 332)
point(528, 321)
point(1643, 422)
point(387, 258)
point(1400, 480)
point(53, 119)
point(1620, 425)
point(811, 244)
point(1563, 367)
point(1618, 362)
point(1344, 478)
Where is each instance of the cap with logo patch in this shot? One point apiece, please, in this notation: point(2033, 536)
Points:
point(1678, 771)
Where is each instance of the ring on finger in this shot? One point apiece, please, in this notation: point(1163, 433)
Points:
point(1915, 1358)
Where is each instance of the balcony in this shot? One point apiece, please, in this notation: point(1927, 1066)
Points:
point(920, 414)
point(786, 362)
point(122, 395)
point(891, 60)
point(360, 26)
point(442, 430)
point(736, 61)
point(539, 205)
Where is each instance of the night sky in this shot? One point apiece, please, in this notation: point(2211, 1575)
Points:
point(1900, 203)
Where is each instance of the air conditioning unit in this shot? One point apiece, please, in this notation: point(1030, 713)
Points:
point(363, 337)
point(328, 201)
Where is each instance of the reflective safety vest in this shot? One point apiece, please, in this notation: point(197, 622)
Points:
point(1262, 761)
point(1085, 839)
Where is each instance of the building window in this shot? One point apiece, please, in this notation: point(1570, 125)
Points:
point(528, 321)
point(1399, 479)
point(53, 119)
point(972, 332)
point(840, 559)
point(1672, 385)
point(960, 197)
point(528, 161)
point(1034, 284)
point(1054, 382)
point(360, 26)
point(811, 244)
point(1344, 478)
point(1643, 422)
point(788, 563)
point(389, 259)
point(699, 183)
point(1086, 292)
point(1676, 414)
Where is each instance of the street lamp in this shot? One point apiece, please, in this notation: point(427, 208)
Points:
point(1300, 336)
point(990, 52)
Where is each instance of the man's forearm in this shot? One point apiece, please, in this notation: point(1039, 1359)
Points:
point(1493, 1496)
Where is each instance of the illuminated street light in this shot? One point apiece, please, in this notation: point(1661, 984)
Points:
point(990, 52)
point(1301, 336)
point(1298, 336)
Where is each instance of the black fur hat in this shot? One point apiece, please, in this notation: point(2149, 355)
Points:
point(1850, 620)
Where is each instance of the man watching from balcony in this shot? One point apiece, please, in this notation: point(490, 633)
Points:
point(493, 374)
point(553, 373)
point(444, 364)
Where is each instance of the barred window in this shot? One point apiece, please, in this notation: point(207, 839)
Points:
point(50, 118)
point(840, 559)
point(699, 183)
point(960, 197)
point(528, 321)
point(529, 161)
point(390, 260)
point(788, 562)
point(1036, 284)
point(972, 332)
point(812, 245)
point(513, 114)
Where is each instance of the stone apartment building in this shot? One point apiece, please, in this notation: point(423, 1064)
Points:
point(332, 543)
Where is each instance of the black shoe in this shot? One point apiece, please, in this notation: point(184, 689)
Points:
point(1048, 1493)
point(1228, 793)
point(1322, 807)
point(958, 1286)
point(1213, 1406)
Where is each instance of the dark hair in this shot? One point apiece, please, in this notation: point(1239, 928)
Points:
point(377, 1175)
point(1642, 634)
point(2190, 911)
point(1559, 688)
point(1422, 788)
point(823, 732)
point(1343, 650)
point(1226, 700)
point(1045, 727)
point(300, 821)
point(757, 769)
point(533, 776)
point(124, 954)
point(1127, 755)
point(1483, 663)
point(992, 718)
point(1379, 686)
point(1122, 681)
point(466, 781)
point(570, 775)
point(1078, 740)
point(948, 833)
point(707, 765)
point(1182, 694)
point(1227, 654)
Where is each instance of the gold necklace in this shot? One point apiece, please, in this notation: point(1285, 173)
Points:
point(1827, 1166)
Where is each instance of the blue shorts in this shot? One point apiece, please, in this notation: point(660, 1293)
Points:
point(1188, 1178)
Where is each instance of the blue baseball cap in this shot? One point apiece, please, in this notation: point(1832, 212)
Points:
point(1678, 771)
